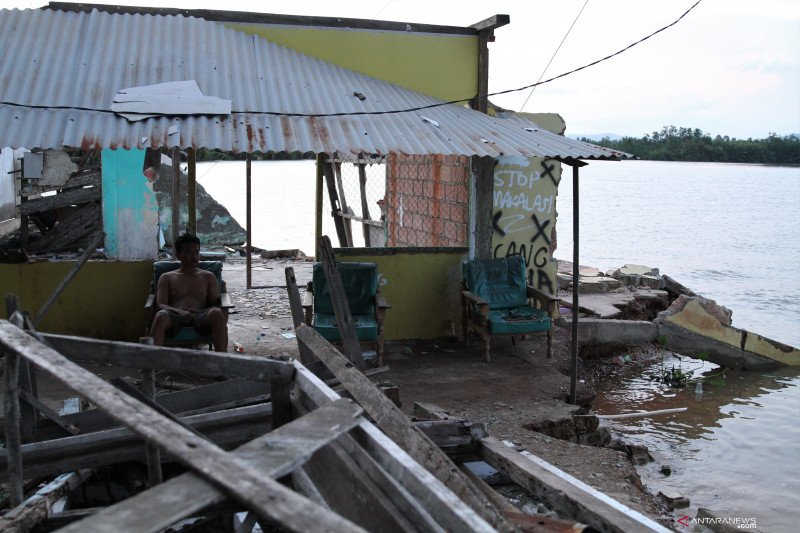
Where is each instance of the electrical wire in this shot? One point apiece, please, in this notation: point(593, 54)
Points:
point(553, 56)
point(393, 111)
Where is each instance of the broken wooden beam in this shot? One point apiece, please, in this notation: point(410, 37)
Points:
point(39, 506)
point(193, 362)
point(225, 428)
point(559, 490)
point(436, 498)
point(288, 447)
point(265, 496)
point(64, 199)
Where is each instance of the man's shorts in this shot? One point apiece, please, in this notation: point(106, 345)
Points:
point(197, 322)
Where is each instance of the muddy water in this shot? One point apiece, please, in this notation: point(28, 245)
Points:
point(736, 448)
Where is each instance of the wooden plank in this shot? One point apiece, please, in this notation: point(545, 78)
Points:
point(307, 357)
point(226, 428)
point(362, 185)
point(68, 278)
point(26, 379)
point(302, 483)
point(337, 171)
point(154, 474)
point(192, 362)
point(289, 447)
point(341, 307)
point(64, 199)
point(434, 495)
point(34, 402)
point(561, 491)
point(265, 496)
point(75, 230)
point(333, 198)
point(197, 400)
point(394, 422)
point(39, 506)
point(352, 493)
point(13, 438)
point(191, 188)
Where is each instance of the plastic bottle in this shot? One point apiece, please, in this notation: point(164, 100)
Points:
point(698, 390)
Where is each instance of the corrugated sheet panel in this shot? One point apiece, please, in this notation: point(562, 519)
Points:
point(61, 70)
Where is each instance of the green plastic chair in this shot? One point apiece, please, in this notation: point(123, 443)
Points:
point(367, 304)
point(187, 336)
point(496, 300)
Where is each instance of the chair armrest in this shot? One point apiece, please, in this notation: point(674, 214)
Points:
point(151, 301)
point(547, 300)
point(477, 300)
point(380, 301)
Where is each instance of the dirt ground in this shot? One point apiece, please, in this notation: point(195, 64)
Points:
point(520, 384)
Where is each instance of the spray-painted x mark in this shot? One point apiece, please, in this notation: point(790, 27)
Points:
point(548, 171)
point(540, 229)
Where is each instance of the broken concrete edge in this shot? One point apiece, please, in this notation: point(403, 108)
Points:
point(678, 338)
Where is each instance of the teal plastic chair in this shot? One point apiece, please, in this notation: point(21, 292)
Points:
point(367, 304)
point(188, 336)
point(496, 300)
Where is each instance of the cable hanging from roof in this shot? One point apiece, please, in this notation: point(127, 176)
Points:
point(398, 111)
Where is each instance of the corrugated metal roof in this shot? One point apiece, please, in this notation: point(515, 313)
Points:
point(61, 70)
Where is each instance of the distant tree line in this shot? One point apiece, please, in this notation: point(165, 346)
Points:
point(687, 144)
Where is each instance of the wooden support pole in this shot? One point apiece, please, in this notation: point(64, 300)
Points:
point(576, 266)
point(238, 479)
point(362, 185)
point(26, 379)
point(68, 278)
point(154, 474)
point(348, 228)
point(341, 307)
point(191, 189)
point(13, 438)
point(318, 205)
point(176, 194)
point(249, 220)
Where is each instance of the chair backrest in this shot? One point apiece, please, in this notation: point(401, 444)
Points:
point(162, 267)
point(360, 281)
point(501, 282)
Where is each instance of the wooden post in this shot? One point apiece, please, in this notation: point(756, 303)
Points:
point(318, 206)
point(348, 228)
point(153, 454)
point(483, 174)
point(573, 373)
point(362, 185)
point(13, 438)
point(176, 194)
point(307, 357)
point(26, 381)
point(191, 189)
point(341, 308)
point(23, 219)
point(338, 221)
point(249, 223)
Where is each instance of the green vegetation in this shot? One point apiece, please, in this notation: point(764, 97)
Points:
point(687, 144)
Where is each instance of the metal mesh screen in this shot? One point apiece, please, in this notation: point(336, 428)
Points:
point(401, 201)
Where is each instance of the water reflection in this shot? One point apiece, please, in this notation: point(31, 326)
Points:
point(736, 447)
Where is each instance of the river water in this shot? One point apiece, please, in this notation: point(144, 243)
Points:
point(729, 232)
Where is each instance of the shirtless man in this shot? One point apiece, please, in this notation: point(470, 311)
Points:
point(189, 296)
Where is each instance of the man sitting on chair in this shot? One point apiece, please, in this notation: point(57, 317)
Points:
point(189, 296)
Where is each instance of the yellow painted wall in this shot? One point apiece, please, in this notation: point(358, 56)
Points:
point(443, 66)
point(105, 300)
point(422, 288)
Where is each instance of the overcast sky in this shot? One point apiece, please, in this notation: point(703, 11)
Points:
point(730, 67)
